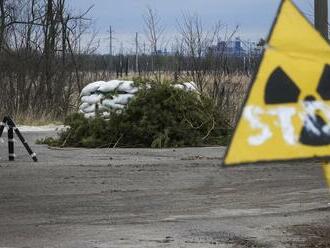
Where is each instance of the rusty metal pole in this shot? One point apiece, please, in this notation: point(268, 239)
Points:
point(321, 17)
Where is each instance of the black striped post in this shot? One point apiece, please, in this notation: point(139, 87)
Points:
point(2, 125)
point(7, 121)
point(11, 143)
point(26, 145)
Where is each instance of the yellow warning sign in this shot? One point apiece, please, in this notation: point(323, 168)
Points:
point(287, 112)
point(326, 169)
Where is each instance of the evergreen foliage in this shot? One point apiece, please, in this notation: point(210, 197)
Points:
point(159, 116)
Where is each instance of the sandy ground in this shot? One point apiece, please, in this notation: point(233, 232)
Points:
point(157, 198)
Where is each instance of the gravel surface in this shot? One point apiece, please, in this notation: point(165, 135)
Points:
point(157, 198)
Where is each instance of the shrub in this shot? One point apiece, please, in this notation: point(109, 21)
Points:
point(159, 116)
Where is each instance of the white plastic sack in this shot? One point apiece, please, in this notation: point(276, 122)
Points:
point(92, 108)
point(112, 104)
point(89, 109)
point(92, 99)
point(133, 90)
point(191, 86)
point(179, 86)
point(122, 98)
point(105, 114)
point(126, 86)
point(89, 115)
point(91, 88)
point(84, 105)
point(109, 86)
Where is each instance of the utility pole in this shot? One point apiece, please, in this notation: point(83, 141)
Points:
point(321, 17)
point(79, 40)
point(110, 49)
point(121, 57)
point(136, 52)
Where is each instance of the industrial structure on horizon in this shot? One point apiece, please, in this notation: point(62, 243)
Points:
point(237, 48)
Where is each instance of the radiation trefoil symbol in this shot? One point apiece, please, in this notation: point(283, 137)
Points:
point(281, 89)
point(286, 115)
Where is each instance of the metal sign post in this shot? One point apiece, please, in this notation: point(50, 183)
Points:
point(321, 17)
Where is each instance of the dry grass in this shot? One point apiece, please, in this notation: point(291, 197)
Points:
point(229, 101)
point(32, 120)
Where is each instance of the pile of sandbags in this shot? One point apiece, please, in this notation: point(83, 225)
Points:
point(105, 97)
point(112, 96)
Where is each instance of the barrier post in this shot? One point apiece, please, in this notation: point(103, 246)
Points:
point(11, 144)
point(7, 121)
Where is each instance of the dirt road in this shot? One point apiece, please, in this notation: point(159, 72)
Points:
point(157, 198)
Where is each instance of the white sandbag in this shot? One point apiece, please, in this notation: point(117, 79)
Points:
point(122, 98)
point(105, 114)
point(84, 105)
point(92, 108)
point(92, 99)
point(179, 86)
point(191, 86)
point(102, 108)
point(109, 86)
point(112, 104)
point(91, 88)
point(89, 115)
point(133, 90)
point(89, 109)
point(126, 86)
point(107, 103)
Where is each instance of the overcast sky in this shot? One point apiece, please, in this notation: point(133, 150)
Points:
point(254, 17)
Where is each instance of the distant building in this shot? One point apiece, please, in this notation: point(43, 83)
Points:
point(236, 48)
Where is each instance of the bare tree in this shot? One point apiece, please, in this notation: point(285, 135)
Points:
point(153, 29)
point(38, 56)
point(196, 41)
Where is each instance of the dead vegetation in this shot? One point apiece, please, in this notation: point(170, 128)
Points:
point(45, 60)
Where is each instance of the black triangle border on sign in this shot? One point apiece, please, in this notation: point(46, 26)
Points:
point(279, 10)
